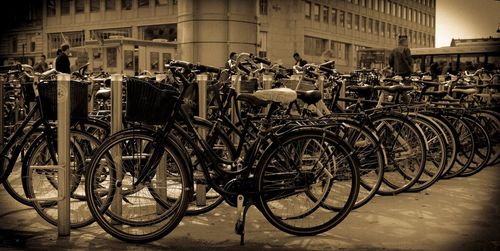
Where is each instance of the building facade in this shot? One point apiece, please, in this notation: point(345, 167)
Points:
point(206, 31)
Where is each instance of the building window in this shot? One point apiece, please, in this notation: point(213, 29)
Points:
point(316, 12)
point(393, 10)
point(375, 4)
point(154, 60)
point(376, 27)
point(394, 30)
point(79, 6)
point(174, 2)
point(389, 30)
point(432, 21)
point(111, 54)
point(14, 45)
point(404, 12)
point(314, 46)
point(142, 3)
point(363, 3)
point(349, 20)
point(414, 15)
point(370, 24)
point(128, 60)
point(341, 18)
point(334, 16)
point(126, 4)
point(356, 22)
point(166, 31)
point(326, 17)
point(382, 29)
point(263, 7)
point(75, 39)
point(110, 5)
point(51, 8)
point(387, 7)
point(363, 24)
point(161, 2)
point(65, 7)
point(95, 5)
point(370, 4)
point(419, 18)
point(166, 58)
point(307, 10)
point(399, 10)
point(106, 33)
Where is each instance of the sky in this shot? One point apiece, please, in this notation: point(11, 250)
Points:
point(466, 19)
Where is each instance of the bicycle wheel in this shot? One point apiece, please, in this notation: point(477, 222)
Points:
point(137, 212)
point(491, 125)
point(466, 149)
point(436, 153)
point(308, 181)
point(371, 154)
point(41, 185)
point(223, 147)
point(406, 152)
point(482, 151)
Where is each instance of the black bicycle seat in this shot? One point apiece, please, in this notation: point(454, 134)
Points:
point(309, 97)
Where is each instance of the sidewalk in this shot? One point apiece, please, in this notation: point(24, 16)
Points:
point(456, 214)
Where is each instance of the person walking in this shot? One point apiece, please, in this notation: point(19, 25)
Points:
point(400, 59)
point(41, 66)
point(62, 61)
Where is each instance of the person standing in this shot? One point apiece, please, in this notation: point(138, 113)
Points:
point(62, 61)
point(41, 66)
point(298, 60)
point(231, 62)
point(400, 59)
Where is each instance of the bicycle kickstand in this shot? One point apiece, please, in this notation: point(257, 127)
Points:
point(239, 227)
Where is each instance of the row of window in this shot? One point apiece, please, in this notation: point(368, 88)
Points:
point(318, 12)
point(372, 4)
point(95, 5)
point(331, 49)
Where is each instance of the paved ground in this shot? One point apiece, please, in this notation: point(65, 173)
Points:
point(457, 214)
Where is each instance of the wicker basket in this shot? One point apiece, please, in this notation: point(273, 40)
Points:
point(150, 104)
point(78, 99)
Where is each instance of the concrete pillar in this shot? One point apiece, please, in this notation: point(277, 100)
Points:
point(208, 30)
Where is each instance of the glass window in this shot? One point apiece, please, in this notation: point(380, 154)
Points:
point(314, 46)
point(95, 5)
point(110, 4)
point(376, 27)
point(126, 4)
point(263, 7)
point(128, 60)
point(404, 12)
point(363, 24)
point(389, 30)
point(363, 3)
point(326, 11)
point(387, 7)
point(51, 8)
point(382, 29)
point(307, 10)
point(166, 31)
point(369, 4)
point(369, 26)
point(166, 58)
point(142, 3)
point(349, 20)
point(161, 2)
point(341, 18)
point(356, 22)
point(334, 16)
point(111, 54)
point(316, 12)
point(414, 15)
point(14, 45)
point(154, 59)
point(79, 6)
point(399, 10)
point(65, 7)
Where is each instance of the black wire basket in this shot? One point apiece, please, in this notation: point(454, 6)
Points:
point(78, 99)
point(148, 103)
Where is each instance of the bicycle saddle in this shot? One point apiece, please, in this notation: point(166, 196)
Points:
point(309, 97)
point(394, 88)
point(361, 90)
point(278, 95)
point(465, 91)
point(103, 94)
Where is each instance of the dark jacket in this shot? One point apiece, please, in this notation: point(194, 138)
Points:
point(62, 63)
point(401, 61)
point(301, 62)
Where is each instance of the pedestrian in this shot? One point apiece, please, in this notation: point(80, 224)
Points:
point(41, 66)
point(231, 62)
point(400, 59)
point(62, 61)
point(434, 69)
point(298, 60)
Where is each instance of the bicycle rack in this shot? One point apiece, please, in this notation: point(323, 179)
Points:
point(201, 195)
point(116, 126)
point(63, 142)
point(2, 83)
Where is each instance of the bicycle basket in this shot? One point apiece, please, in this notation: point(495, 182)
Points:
point(78, 98)
point(150, 104)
